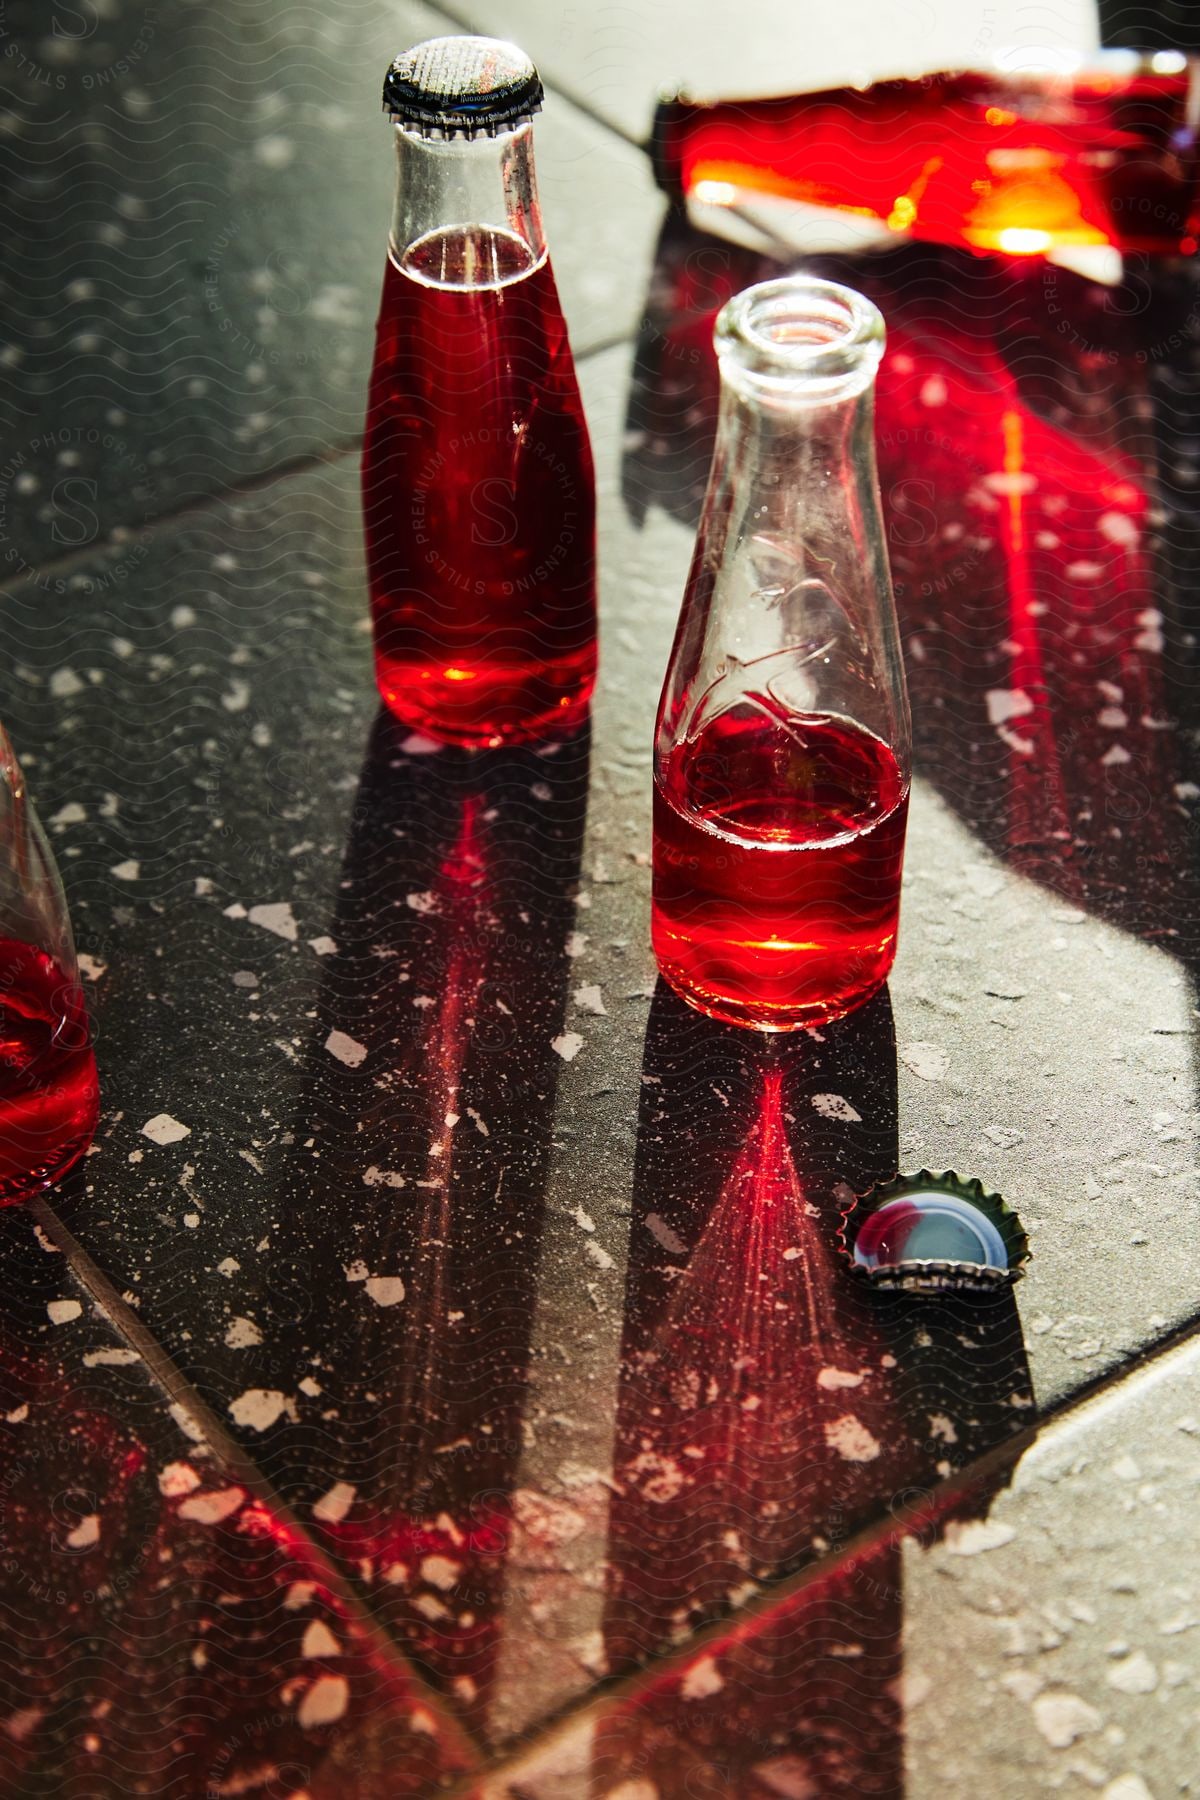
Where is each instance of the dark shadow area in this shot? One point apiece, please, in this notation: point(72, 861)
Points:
point(1039, 467)
point(770, 1408)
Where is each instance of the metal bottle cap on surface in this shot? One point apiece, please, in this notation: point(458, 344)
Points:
point(933, 1234)
point(462, 87)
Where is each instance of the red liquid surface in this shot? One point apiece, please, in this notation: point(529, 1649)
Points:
point(778, 847)
point(49, 1095)
point(479, 497)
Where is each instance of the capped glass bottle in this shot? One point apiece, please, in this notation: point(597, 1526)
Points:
point(782, 755)
point(478, 488)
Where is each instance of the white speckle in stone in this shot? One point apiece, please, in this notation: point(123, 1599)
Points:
point(851, 1440)
point(346, 1049)
point(576, 944)
point(1151, 635)
point(568, 1044)
point(1061, 1718)
point(478, 1122)
point(589, 999)
point(840, 1378)
point(86, 1533)
point(299, 1594)
point(336, 304)
point(129, 870)
point(1112, 718)
point(788, 1776)
point(1134, 1674)
point(424, 901)
point(702, 1680)
point(65, 683)
point(1084, 570)
point(599, 1255)
point(237, 696)
point(276, 917)
point(971, 1537)
point(186, 1421)
point(212, 1509)
point(70, 814)
point(385, 1290)
point(92, 967)
point(933, 391)
point(228, 1266)
point(163, 1129)
point(191, 1220)
point(1114, 757)
point(24, 1722)
point(357, 1270)
point(332, 1507)
point(318, 1640)
point(324, 946)
point(584, 1220)
point(115, 1358)
point(374, 1176)
point(415, 744)
point(440, 1572)
point(258, 1408)
point(324, 1702)
point(311, 1387)
point(928, 1062)
point(670, 1240)
point(18, 1415)
point(177, 1479)
point(833, 1106)
point(240, 1334)
point(1127, 1787)
point(1118, 528)
point(1004, 704)
point(182, 617)
point(61, 1312)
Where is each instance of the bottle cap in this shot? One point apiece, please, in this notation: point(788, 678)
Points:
point(933, 1234)
point(462, 87)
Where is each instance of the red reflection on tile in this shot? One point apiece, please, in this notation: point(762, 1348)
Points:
point(165, 1632)
point(1018, 164)
point(450, 977)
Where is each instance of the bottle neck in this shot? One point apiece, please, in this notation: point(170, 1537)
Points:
point(466, 211)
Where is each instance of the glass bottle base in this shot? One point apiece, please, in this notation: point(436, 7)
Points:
point(489, 709)
point(763, 1016)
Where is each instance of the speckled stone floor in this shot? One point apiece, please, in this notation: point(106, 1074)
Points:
point(382, 1411)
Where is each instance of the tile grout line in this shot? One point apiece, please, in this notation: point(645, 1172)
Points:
point(226, 496)
point(610, 1692)
point(180, 1393)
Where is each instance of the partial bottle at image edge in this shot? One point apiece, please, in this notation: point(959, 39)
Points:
point(478, 486)
point(49, 1094)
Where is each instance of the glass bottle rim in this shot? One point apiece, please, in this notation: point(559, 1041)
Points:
point(802, 333)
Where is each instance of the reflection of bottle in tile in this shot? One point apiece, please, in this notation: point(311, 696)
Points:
point(769, 1411)
point(755, 1393)
point(430, 1121)
point(1018, 163)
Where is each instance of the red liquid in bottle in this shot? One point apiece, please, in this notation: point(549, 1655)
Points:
point(478, 496)
point(49, 1095)
point(778, 849)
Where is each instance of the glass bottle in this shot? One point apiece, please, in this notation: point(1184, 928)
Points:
point(49, 1097)
point(1018, 161)
point(782, 753)
point(478, 487)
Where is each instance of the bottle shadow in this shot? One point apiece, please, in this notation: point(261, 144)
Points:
point(772, 1410)
point(417, 1177)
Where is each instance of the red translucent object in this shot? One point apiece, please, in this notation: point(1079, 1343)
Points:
point(478, 498)
point(1019, 163)
point(49, 1095)
point(779, 843)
